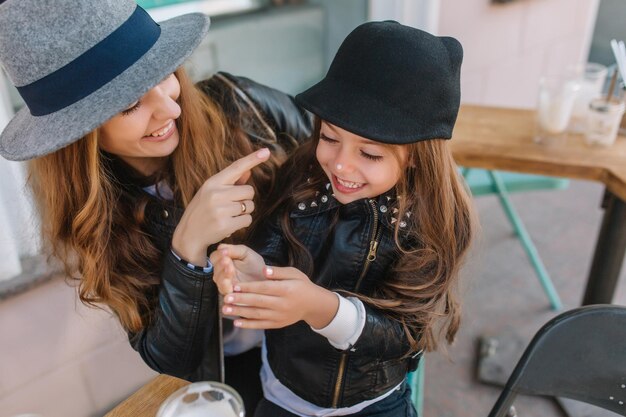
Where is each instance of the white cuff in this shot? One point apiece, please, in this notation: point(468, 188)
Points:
point(346, 327)
point(206, 269)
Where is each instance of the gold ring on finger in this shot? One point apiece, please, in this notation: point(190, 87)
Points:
point(243, 207)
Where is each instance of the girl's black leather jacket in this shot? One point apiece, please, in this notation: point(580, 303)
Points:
point(182, 339)
point(353, 250)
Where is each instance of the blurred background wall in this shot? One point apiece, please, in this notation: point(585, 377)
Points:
point(509, 46)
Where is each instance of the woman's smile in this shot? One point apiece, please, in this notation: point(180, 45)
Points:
point(162, 133)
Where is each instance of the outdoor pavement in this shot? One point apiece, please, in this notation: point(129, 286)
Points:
point(501, 291)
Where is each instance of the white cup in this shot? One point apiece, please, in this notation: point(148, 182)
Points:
point(203, 399)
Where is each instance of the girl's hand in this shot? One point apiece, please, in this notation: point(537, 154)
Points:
point(235, 264)
point(217, 209)
point(286, 297)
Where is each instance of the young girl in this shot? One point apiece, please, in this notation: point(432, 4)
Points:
point(372, 210)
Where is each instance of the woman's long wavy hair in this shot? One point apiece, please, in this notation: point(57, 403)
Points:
point(421, 291)
point(94, 225)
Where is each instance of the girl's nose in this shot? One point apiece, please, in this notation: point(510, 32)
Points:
point(343, 163)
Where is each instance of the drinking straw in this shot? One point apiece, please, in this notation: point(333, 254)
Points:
point(609, 93)
point(619, 51)
point(622, 49)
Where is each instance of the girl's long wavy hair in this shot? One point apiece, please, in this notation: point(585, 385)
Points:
point(93, 224)
point(421, 290)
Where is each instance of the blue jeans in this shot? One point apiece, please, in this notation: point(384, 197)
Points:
point(398, 404)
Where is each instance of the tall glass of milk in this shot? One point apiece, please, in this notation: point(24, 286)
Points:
point(555, 102)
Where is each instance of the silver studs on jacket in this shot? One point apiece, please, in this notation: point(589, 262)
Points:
point(323, 199)
point(394, 213)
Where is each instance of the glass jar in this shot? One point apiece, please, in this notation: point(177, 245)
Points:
point(603, 121)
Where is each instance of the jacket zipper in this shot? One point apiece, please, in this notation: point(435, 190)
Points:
point(371, 257)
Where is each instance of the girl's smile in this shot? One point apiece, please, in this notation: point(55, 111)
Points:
point(346, 187)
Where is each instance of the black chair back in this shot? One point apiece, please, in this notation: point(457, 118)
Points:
point(580, 354)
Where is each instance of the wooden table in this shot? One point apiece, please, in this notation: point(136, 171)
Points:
point(146, 401)
point(501, 138)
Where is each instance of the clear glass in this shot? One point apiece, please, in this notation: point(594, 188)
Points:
point(591, 77)
point(556, 99)
point(603, 121)
point(203, 399)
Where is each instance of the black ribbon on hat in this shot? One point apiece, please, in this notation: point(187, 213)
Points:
point(94, 68)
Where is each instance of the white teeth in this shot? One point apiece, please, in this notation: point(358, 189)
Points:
point(162, 131)
point(349, 184)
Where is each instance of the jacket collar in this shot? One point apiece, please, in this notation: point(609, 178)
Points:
point(324, 200)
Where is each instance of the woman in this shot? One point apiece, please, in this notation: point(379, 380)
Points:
point(131, 169)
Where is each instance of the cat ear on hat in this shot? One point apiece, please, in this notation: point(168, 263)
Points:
point(455, 51)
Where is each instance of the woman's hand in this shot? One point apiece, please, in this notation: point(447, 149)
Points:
point(233, 264)
point(286, 297)
point(220, 207)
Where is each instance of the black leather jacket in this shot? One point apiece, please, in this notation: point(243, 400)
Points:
point(353, 250)
point(182, 339)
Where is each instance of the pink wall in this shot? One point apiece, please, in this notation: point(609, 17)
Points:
point(509, 46)
point(61, 359)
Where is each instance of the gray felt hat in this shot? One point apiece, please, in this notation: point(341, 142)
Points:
point(76, 64)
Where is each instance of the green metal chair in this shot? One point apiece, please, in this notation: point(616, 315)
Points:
point(483, 182)
point(146, 4)
point(416, 382)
